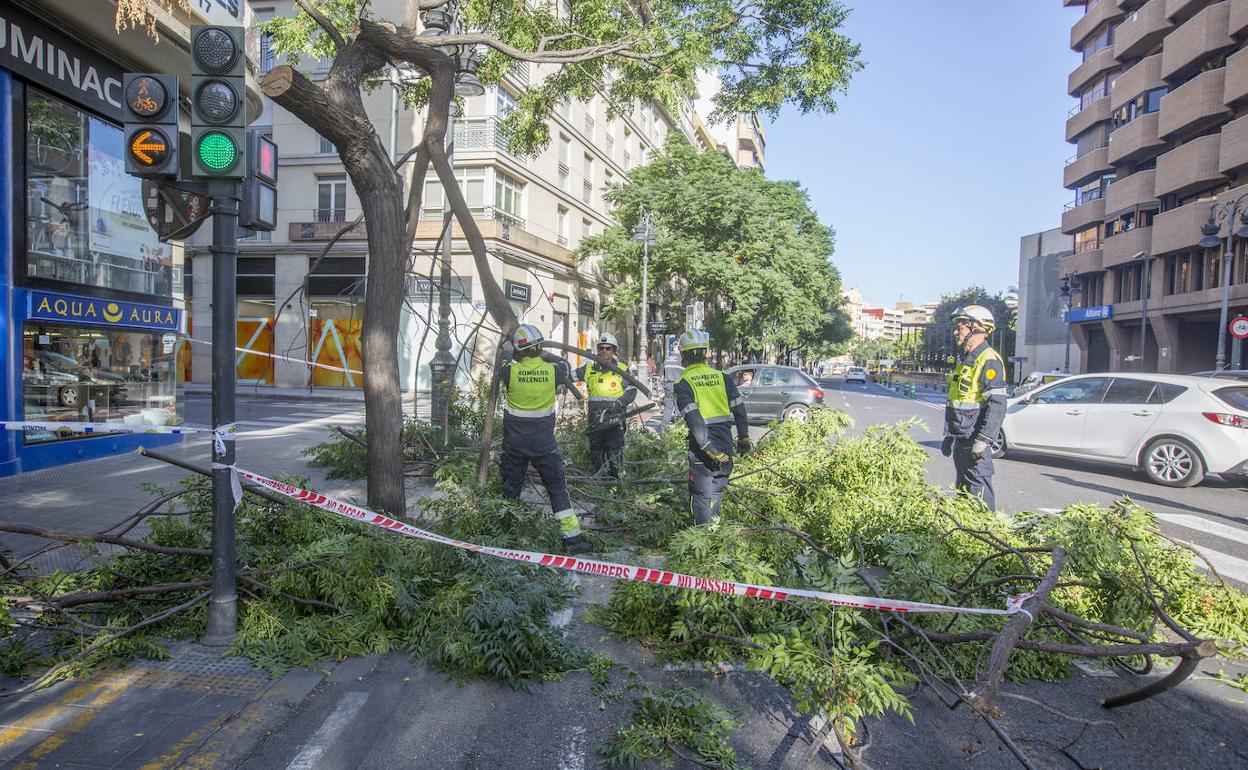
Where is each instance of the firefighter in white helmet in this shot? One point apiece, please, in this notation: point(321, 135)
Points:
point(609, 395)
point(529, 430)
point(710, 404)
point(976, 405)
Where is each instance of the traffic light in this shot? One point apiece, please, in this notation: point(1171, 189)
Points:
point(259, 209)
point(151, 125)
point(218, 102)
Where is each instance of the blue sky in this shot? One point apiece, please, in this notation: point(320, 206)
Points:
point(947, 149)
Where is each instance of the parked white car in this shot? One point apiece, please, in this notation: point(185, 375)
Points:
point(856, 374)
point(1175, 427)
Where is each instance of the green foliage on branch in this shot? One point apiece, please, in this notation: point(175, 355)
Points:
point(750, 246)
point(675, 723)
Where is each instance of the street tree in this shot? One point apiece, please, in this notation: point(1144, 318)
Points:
point(748, 246)
point(869, 350)
point(768, 53)
point(1003, 338)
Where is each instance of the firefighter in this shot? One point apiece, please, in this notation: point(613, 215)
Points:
point(709, 403)
point(976, 404)
point(609, 396)
point(529, 430)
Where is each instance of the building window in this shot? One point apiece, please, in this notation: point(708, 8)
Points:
point(587, 188)
point(85, 220)
point(587, 228)
point(610, 141)
point(565, 162)
point(337, 277)
point(1092, 290)
point(1127, 283)
point(89, 374)
point(1149, 101)
point(331, 198)
point(471, 184)
point(1093, 139)
point(254, 277)
point(507, 191)
point(1099, 41)
point(268, 57)
point(324, 146)
point(504, 103)
point(1093, 190)
point(628, 156)
point(1087, 240)
point(608, 179)
point(562, 237)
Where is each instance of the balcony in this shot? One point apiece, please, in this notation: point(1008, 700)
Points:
point(1141, 31)
point(323, 229)
point(1179, 228)
point(508, 220)
point(1135, 141)
point(1144, 76)
point(587, 192)
point(1101, 62)
point(1234, 152)
point(479, 135)
point(1081, 262)
point(1078, 217)
point(1130, 191)
point(1122, 247)
point(1193, 106)
point(1236, 77)
point(1189, 167)
point(1238, 20)
point(1179, 11)
point(1092, 20)
point(1199, 38)
point(1096, 112)
point(1090, 165)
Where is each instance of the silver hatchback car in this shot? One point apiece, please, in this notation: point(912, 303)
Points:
point(776, 392)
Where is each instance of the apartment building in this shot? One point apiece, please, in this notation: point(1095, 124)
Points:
point(742, 139)
point(533, 213)
point(1161, 134)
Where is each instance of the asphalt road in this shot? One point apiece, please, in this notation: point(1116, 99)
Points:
point(1212, 515)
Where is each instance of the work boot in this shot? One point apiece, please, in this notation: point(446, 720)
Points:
point(576, 545)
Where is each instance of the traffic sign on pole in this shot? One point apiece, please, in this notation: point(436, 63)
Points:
point(1239, 327)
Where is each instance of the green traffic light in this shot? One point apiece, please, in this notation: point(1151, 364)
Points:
point(217, 151)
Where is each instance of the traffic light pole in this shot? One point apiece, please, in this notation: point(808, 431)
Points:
point(223, 602)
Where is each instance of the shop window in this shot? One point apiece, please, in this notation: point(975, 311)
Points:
point(337, 277)
point(85, 222)
point(254, 277)
point(81, 374)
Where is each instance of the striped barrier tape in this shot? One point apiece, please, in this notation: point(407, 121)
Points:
point(606, 568)
point(250, 352)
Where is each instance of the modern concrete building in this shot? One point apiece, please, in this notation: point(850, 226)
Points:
point(1161, 134)
point(912, 314)
point(1041, 333)
point(533, 212)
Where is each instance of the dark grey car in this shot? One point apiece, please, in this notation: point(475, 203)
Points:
point(776, 392)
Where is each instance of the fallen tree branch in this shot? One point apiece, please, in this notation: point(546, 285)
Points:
point(78, 537)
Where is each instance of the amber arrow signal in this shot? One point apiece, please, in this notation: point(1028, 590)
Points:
point(148, 148)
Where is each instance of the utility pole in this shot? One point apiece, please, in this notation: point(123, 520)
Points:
point(645, 234)
point(442, 367)
point(223, 601)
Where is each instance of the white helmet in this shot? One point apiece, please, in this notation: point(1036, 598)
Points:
point(977, 314)
point(607, 338)
point(695, 339)
point(526, 336)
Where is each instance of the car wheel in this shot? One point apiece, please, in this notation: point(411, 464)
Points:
point(998, 446)
point(796, 413)
point(68, 396)
point(1173, 462)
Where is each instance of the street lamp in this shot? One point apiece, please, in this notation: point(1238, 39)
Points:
point(1070, 287)
point(1144, 301)
point(1219, 212)
point(645, 235)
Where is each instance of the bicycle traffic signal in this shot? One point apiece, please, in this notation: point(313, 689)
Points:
point(151, 125)
point(218, 102)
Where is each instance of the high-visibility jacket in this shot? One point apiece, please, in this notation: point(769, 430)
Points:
point(710, 393)
point(531, 387)
point(977, 391)
point(710, 403)
point(603, 384)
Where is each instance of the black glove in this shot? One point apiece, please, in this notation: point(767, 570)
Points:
point(714, 458)
point(744, 444)
point(946, 446)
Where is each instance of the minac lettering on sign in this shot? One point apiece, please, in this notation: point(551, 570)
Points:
point(69, 308)
point(33, 50)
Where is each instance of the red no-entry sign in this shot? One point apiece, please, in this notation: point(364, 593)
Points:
point(1239, 327)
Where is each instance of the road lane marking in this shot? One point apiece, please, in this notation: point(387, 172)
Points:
point(1228, 566)
point(329, 731)
point(572, 755)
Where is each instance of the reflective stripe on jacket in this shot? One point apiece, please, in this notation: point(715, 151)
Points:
point(603, 384)
point(976, 392)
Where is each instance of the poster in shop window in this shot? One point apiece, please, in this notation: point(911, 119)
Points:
point(118, 223)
